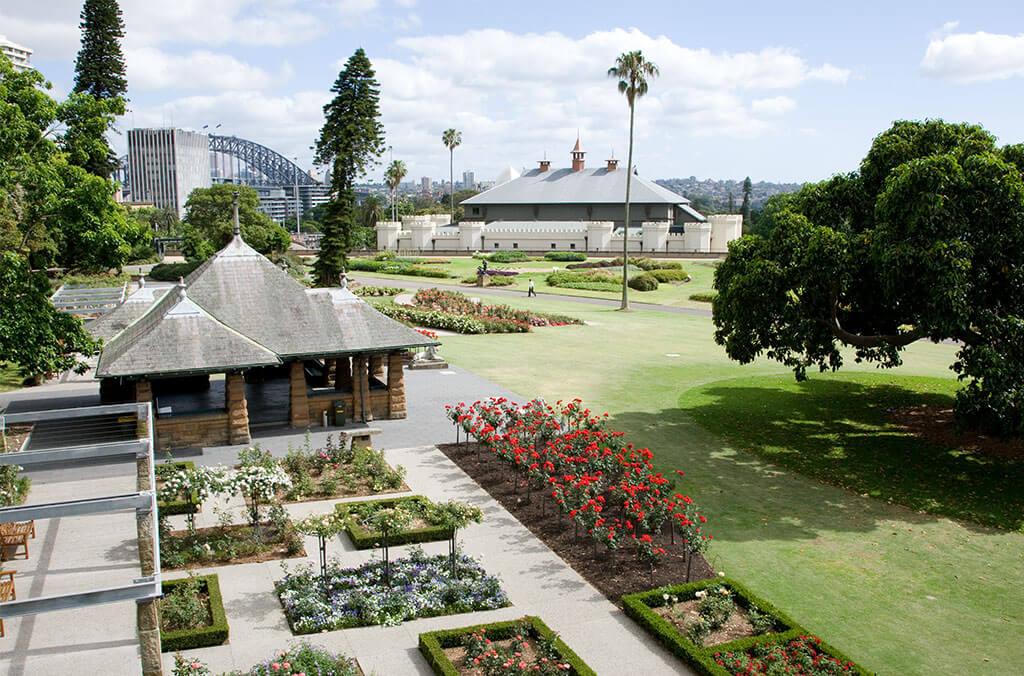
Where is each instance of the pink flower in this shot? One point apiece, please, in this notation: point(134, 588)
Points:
point(275, 666)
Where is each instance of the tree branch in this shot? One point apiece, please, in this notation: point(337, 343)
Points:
point(858, 340)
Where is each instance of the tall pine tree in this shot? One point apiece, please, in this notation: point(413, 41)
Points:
point(748, 190)
point(351, 140)
point(100, 74)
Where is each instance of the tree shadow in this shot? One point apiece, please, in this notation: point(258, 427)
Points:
point(848, 465)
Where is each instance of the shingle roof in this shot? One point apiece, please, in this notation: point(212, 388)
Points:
point(241, 311)
point(133, 307)
point(565, 186)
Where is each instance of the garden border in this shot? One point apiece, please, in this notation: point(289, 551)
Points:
point(214, 634)
point(363, 538)
point(701, 658)
point(432, 644)
point(177, 507)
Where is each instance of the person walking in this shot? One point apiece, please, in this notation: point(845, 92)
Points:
point(531, 290)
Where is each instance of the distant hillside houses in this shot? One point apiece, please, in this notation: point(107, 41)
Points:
point(573, 208)
point(712, 195)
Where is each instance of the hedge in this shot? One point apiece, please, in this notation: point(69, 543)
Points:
point(701, 658)
point(433, 644)
point(644, 282)
point(565, 256)
point(175, 507)
point(666, 276)
point(216, 633)
point(704, 296)
point(171, 272)
point(507, 257)
point(395, 267)
point(590, 280)
point(363, 538)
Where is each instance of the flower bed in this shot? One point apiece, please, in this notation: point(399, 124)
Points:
point(229, 543)
point(421, 586)
point(517, 647)
point(805, 655)
point(589, 280)
point(181, 505)
point(499, 318)
point(303, 659)
point(749, 628)
point(395, 267)
point(197, 603)
point(363, 537)
point(334, 471)
point(377, 291)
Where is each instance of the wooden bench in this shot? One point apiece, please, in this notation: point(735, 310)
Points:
point(16, 535)
point(7, 593)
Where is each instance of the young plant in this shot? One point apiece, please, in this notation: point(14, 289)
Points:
point(323, 526)
point(390, 521)
point(196, 485)
point(189, 666)
point(454, 516)
point(259, 483)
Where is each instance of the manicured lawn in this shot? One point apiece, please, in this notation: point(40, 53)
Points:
point(898, 590)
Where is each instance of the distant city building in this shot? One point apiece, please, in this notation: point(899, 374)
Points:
point(278, 202)
point(18, 54)
point(426, 185)
point(166, 165)
point(572, 208)
point(468, 180)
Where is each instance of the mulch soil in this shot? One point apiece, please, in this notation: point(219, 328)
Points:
point(681, 615)
point(613, 573)
point(273, 546)
point(938, 425)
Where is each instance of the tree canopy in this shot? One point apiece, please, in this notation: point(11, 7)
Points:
point(208, 223)
point(925, 240)
point(99, 68)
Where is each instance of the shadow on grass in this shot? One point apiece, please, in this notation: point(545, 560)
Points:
point(836, 431)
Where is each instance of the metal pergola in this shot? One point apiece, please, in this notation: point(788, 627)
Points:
point(88, 301)
point(144, 590)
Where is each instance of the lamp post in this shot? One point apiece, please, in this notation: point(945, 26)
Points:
point(298, 216)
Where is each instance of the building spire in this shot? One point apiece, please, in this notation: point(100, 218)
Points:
point(234, 214)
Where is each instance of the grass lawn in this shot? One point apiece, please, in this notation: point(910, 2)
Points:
point(901, 591)
point(701, 271)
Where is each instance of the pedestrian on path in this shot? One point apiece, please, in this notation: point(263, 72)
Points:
point(531, 290)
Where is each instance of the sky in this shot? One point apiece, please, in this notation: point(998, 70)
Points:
point(779, 91)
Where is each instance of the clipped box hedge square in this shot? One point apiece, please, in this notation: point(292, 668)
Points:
point(363, 538)
point(213, 634)
point(176, 507)
point(701, 658)
point(433, 644)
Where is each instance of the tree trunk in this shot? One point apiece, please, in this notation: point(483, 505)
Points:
point(625, 232)
point(451, 181)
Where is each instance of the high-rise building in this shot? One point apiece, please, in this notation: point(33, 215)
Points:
point(426, 185)
point(18, 55)
point(468, 180)
point(166, 165)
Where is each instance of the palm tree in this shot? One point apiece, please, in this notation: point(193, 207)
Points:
point(371, 211)
point(393, 176)
point(452, 139)
point(632, 70)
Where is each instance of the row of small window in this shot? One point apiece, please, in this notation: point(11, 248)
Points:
point(515, 245)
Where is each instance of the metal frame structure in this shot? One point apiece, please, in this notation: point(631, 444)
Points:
point(79, 300)
point(277, 169)
point(147, 588)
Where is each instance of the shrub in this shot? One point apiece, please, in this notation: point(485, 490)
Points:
point(644, 282)
point(395, 267)
point(565, 256)
point(704, 296)
point(215, 633)
point(377, 291)
point(590, 280)
point(181, 505)
point(500, 281)
point(306, 658)
point(171, 272)
point(666, 276)
point(508, 257)
point(434, 643)
point(365, 538)
point(13, 488)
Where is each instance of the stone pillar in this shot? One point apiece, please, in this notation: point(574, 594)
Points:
point(298, 400)
point(143, 391)
point(387, 235)
point(343, 374)
point(655, 235)
point(329, 372)
point(238, 409)
point(599, 235)
point(377, 366)
point(143, 395)
point(396, 386)
point(148, 619)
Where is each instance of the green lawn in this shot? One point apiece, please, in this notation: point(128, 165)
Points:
point(900, 590)
point(678, 294)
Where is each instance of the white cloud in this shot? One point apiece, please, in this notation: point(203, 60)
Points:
point(351, 8)
point(974, 57)
point(150, 68)
point(776, 105)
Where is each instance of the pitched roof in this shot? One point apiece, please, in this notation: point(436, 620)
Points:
point(565, 186)
point(133, 307)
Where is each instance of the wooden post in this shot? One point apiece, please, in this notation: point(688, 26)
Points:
point(298, 398)
point(396, 386)
point(238, 409)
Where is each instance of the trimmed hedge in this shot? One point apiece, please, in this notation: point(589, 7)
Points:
point(432, 644)
point(704, 296)
point(566, 256)
point(666, 276)
point(644, 282)
point(171, 272)
point(587, 280)
point(701, 658)
point(364, 538)
point(175, 507)
point(395, 267)
point(215, 633)
point(507, 257)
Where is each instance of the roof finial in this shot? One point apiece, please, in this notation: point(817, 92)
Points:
point(181, 288)
point(234, 214)
point(344, 279)
point(142, 282)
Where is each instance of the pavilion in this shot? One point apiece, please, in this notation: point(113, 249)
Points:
point(299, 354)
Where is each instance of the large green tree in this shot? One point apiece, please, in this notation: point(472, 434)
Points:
point(632, 70)
point(34, 335)
point(926, 240)
point(351, 140)
point(208, 223)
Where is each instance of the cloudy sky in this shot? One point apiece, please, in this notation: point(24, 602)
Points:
point(775, 90)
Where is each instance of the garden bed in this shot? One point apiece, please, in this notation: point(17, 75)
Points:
point(614, 573)
point(335, 472)
point(452, 652)
point(211, 623)
point(421, 586)
point(455, 311)
point(421, 530)
point(182, 505)
point(719, 627)
point(229, 544)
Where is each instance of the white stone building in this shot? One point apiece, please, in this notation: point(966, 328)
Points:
point(19, 55)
